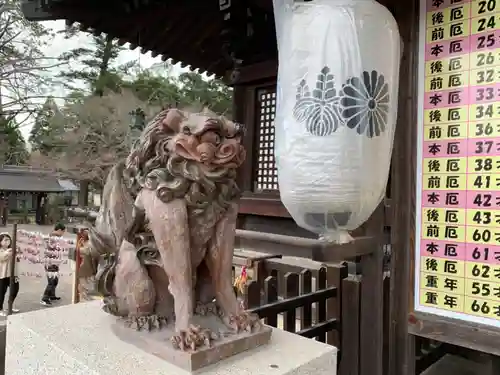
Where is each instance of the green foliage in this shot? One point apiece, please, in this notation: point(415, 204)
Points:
point(154, 88)
point(188, 89)
point(213, 92)
point(48, 129)
point(95, 68)
point(98, 124)
point(95, 65)
point(12, 145)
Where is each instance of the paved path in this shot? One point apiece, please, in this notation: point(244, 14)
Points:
point(31, 288)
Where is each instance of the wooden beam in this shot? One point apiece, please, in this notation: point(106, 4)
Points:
point(472, 336)
point(253, 73)
point(200, 33)
point(130, 28)
point(263, 207)
point(264, 4)
point(278, 238)
point(322, 251)
point(33, 12)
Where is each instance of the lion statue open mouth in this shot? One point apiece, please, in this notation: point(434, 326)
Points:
point(180, 180)
point(190, 156)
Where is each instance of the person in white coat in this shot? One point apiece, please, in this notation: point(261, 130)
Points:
point(6, 258)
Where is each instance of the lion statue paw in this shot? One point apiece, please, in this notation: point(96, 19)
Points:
point(147, 322)
point(243, 322)
point(193, 338)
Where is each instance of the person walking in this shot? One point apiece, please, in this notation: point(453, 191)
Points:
point(52, 268)
point(6, 259)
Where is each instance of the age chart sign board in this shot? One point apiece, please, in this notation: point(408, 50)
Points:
point(458, 162)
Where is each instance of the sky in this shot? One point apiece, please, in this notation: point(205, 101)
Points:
point(61, 45)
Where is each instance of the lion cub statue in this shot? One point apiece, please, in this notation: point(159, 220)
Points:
point(179, 184)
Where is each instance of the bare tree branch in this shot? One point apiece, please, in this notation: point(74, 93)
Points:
point(25, 72)
point(97, 135)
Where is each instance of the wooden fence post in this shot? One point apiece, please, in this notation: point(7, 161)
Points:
point(321, 305)
point(252, 294)
point(291, 290)
point(387, 322)
point(372, 313)
point(270, 296)
point(334, 275)
point(305, 288)
point(349, 350)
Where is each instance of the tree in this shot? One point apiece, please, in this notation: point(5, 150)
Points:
point(48, 128)
point(186, 90)
point(194, 88)
point(12, 145)
point(25, 72)
point(95, 66)
point(154, 88)
point(98, 135)
point(98, 128)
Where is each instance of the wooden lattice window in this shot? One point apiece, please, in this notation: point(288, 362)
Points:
point(266, 176)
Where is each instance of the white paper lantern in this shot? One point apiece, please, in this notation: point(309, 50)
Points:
point(336, 110)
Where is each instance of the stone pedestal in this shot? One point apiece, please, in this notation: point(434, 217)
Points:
point(79, 340)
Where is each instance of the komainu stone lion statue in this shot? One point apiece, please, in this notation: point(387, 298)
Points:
point(178, 183)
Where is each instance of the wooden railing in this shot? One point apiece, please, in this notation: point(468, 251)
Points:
point(301, 309)
point(323, 302)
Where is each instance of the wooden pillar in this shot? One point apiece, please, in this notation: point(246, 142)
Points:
point(38, 207)
point(239, 104)
point(371, 341)
point(401, 344)
point(239, 94)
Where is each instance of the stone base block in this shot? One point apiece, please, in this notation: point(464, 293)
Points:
point(80, 340)
point(157, 342)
